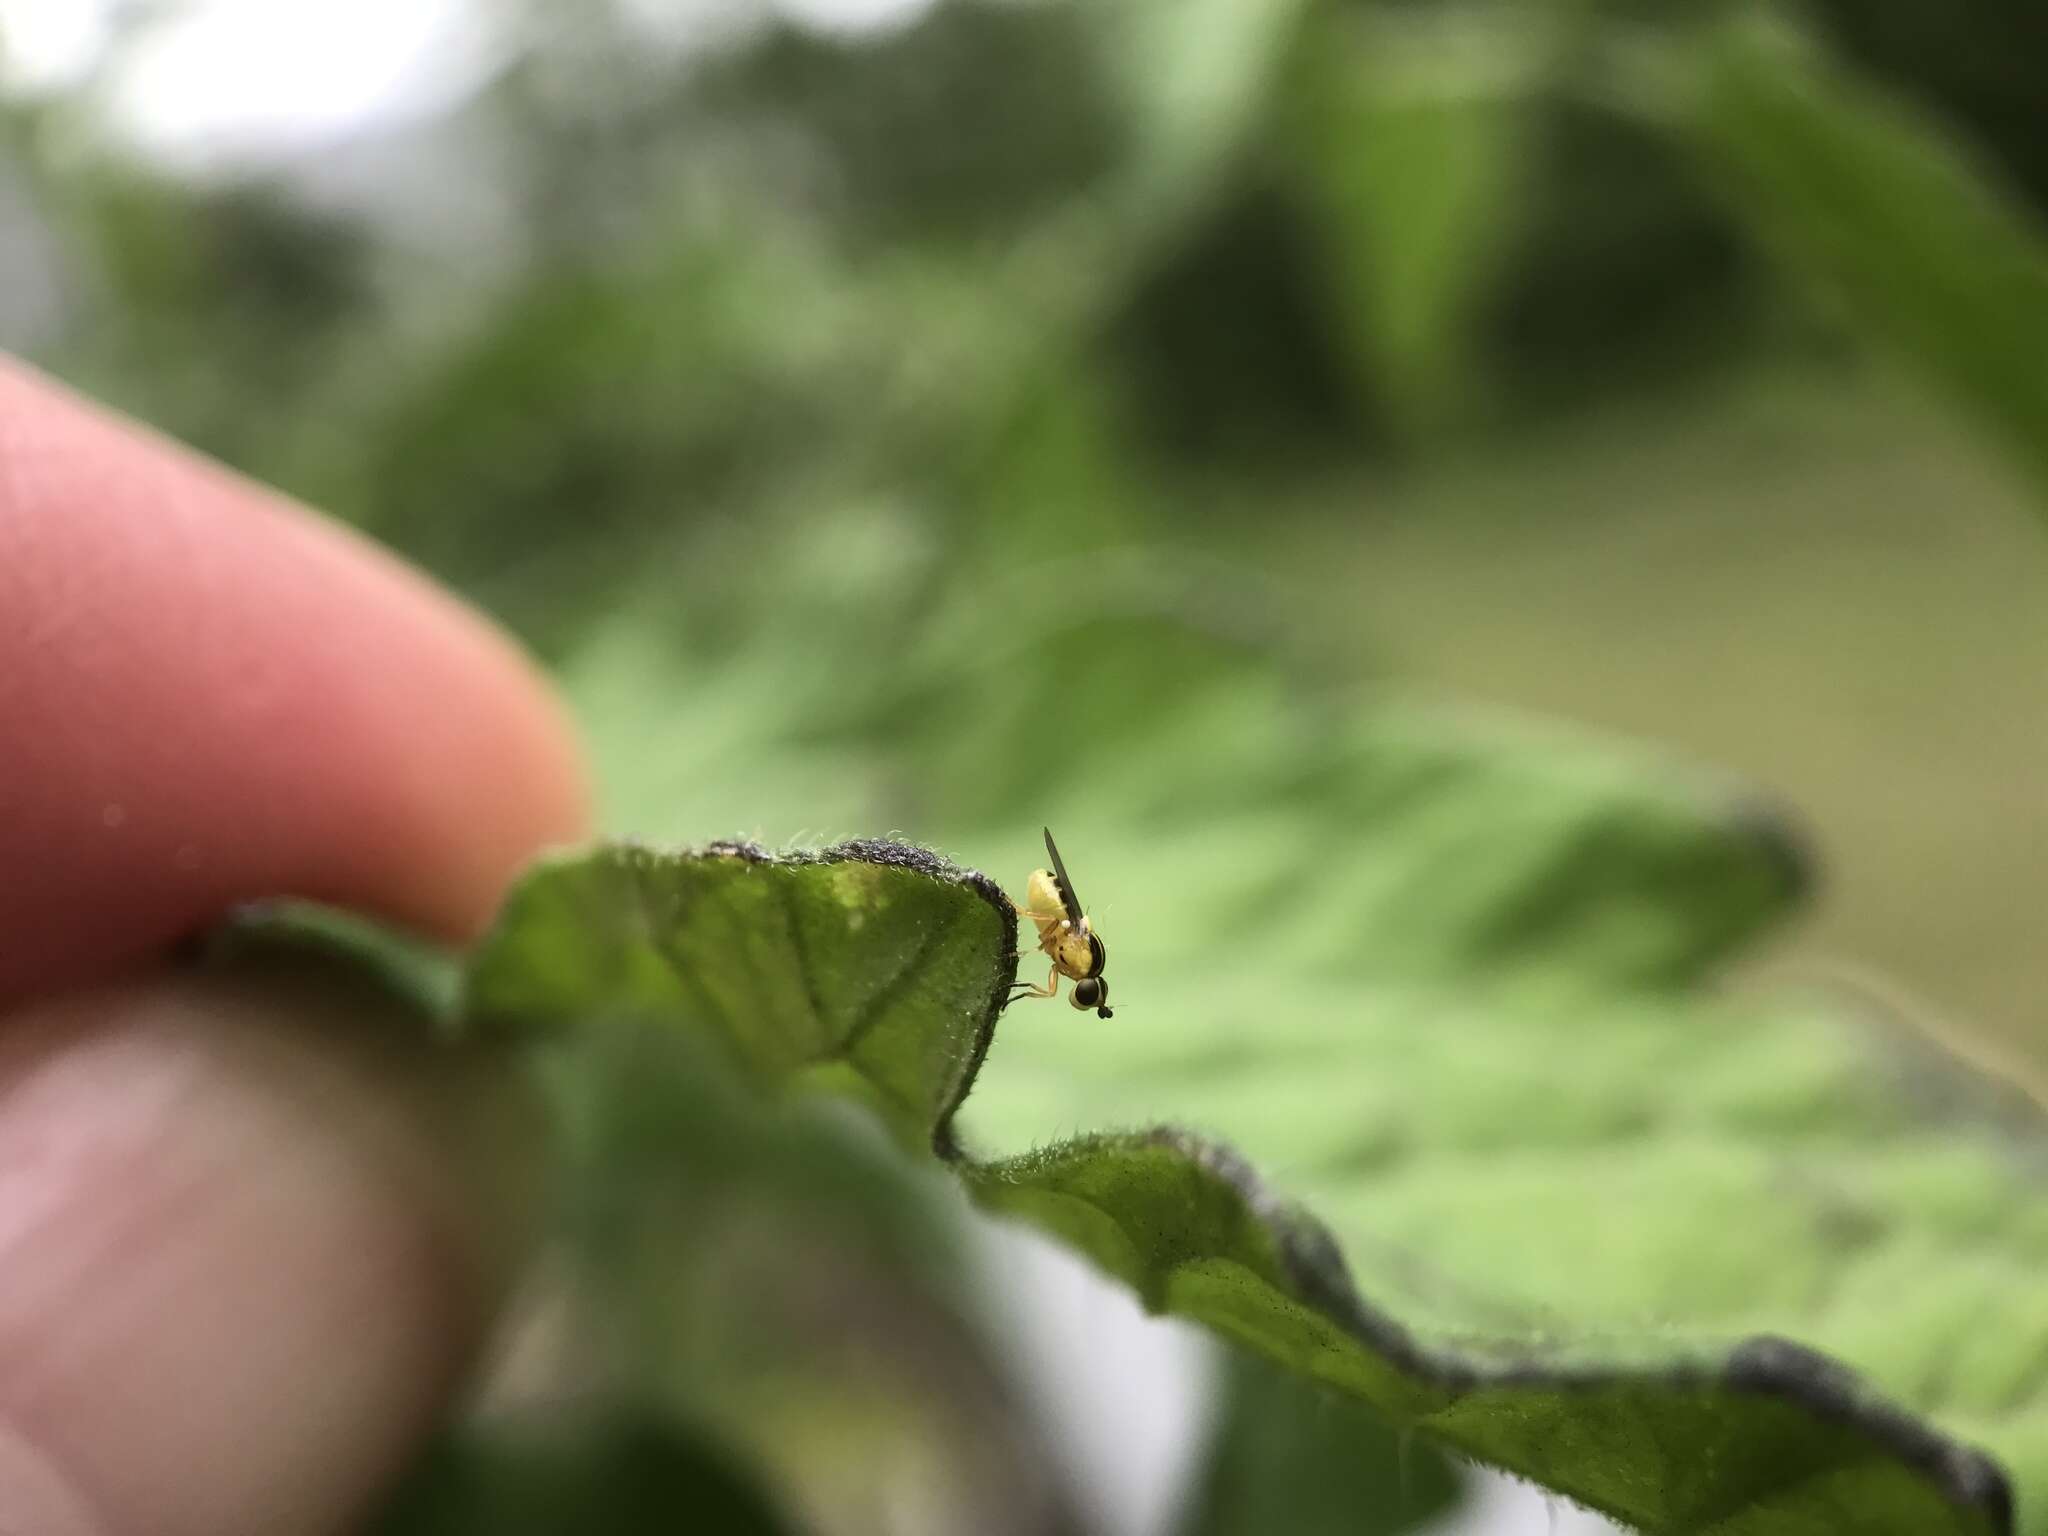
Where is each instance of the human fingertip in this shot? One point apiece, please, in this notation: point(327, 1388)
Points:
point(216, 694)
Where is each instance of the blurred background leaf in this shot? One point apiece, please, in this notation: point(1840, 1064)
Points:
point(1414, 133)
point(1332, 1466)
point(616, 1475)
point(1930, 254)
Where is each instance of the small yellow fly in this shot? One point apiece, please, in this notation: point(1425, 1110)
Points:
point(1064, 934)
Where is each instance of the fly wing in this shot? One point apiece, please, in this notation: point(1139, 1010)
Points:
point(1059, 875)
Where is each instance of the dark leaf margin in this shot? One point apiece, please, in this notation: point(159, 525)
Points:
point(1285, 1258)
point(1195, 1231)
point(922, 861)
point(1289, 1263)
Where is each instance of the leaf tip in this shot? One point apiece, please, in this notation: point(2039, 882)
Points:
point(1788, 852)
point(1777, 1367)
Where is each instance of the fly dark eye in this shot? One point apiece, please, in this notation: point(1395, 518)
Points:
point(1098, 957)
point(1090, 992)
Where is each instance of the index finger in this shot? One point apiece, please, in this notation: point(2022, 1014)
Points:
point(208, 694)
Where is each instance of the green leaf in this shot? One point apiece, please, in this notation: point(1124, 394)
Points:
point(1890, 216)
point(1531, 1188)
point(1194, 76)
point(872, 970)
point(1533, 1191)
point(738, 1259)
point(730, 1262)
point(736, 1263)
point(618, 1474)
point(1323, 1458)
point(1412, 136)
point(1565, 1210)
point(339, 950)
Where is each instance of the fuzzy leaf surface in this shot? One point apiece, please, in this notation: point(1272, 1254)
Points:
point(1525, 1189)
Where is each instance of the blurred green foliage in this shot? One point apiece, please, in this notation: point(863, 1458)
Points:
point(622, 1475)
point(800, 270)
point(1322, 1459)
point(886, 430)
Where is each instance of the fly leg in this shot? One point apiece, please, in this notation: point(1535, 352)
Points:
point(1023, 989)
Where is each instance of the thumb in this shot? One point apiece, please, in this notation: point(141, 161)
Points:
point(248, 1245)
